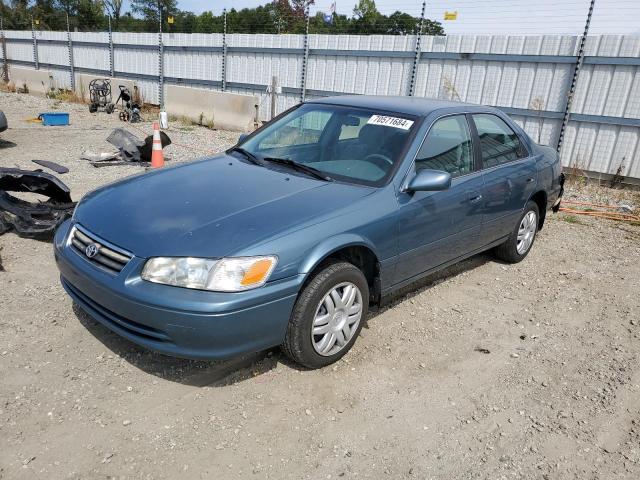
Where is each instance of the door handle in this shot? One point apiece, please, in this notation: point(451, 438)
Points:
point(529, 180)
point(475, 199)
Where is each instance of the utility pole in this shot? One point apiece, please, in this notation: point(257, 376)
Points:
point(574, 80)
point(305, 58)
point(224, 52)
point(111, 66)
point(160, 60)
point(35, 45)
point(416, 58)
point(3, 41)
point(72, 73)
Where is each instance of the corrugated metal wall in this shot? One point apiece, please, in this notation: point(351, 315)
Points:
point(527, 76)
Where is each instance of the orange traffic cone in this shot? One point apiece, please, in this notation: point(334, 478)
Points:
point(157, 158)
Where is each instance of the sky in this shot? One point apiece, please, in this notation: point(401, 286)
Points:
point(487, 16)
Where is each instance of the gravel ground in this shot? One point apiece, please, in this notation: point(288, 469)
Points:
point(88, 132)
point(528, 371)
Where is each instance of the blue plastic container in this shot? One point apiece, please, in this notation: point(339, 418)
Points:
point(54, 118)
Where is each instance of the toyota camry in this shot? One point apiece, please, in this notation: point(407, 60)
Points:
point(287, 238)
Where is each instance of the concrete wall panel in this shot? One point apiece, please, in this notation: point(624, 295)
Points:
point(39, 82)
point(83, 80)
point(220, 109)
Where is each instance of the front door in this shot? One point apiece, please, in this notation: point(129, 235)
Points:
point(436, 227)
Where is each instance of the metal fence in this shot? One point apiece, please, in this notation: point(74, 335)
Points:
point(529, 77)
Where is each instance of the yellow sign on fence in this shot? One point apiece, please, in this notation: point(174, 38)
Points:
point(170, 20)
point(451, 15)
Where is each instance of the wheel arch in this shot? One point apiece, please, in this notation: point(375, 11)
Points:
point(540, 199)
point(349, 248)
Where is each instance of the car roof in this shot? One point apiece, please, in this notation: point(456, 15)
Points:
point(396, 103)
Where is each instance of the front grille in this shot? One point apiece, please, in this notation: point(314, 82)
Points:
point(101, 254)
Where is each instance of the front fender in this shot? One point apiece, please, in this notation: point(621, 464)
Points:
point(330, 245)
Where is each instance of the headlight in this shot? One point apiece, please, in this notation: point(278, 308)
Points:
point(225, 275)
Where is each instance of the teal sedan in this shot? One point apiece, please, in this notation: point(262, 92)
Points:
point(287, 238)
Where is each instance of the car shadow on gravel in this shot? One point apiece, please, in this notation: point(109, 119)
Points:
point(228, 372)
point(7, 144)
point(188, 372)
point(429, 281)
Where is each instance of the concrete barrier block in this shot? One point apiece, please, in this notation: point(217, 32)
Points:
point(38, 82)
point(228, 111)
point(83, 80)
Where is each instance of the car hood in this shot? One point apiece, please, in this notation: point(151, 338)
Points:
point(210, 208)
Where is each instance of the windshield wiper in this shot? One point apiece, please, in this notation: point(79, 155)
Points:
point(301, 167)
point(249, 156)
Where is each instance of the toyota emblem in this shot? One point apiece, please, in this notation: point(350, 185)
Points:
point(91, 250)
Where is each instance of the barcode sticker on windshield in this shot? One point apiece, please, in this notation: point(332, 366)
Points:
point(395, 122)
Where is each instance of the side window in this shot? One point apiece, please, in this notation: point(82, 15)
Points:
point(498, 142)
point(302, 130)
point(447, 147)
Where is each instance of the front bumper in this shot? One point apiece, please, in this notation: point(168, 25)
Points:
point(176, 321)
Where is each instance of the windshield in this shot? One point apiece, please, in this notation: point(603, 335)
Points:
point(345, 143)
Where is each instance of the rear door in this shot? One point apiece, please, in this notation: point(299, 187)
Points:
point(509, 174)
point(435, 227)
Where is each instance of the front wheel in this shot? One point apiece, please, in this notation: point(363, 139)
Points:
point(327, 316)
point(521, 239)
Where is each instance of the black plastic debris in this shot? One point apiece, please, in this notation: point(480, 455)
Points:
point(56, 167)
point(147, 148)
point(33, 219)
point(127, 144)
point(131, 148)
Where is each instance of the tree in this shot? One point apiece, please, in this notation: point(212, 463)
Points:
point(148, 9)
point(282, 15)
point(432, 27)
point(69, 7)
point(365, 9)
point(299, 7)
point(184, 22)
point(90, 13)
point(276, 16)
point(207, 22)
point(402, 24)
point(367, 18)
point(114, 10)
point(47, 14)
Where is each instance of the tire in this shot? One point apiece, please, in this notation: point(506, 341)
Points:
point(93, 108)
point(300, 345)
point(109, 108)
point(509, 251)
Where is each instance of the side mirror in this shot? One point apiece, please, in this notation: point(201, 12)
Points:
point(429, 181)
point(242, 137)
